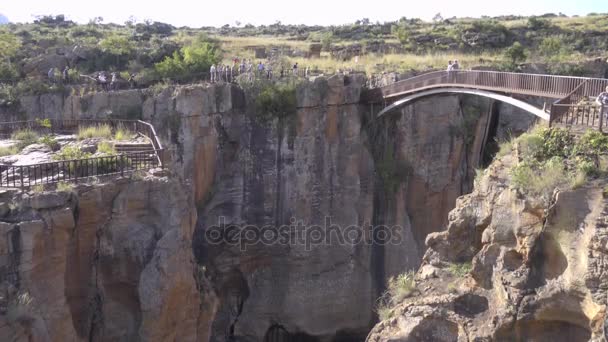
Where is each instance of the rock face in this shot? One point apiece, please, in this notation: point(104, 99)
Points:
point(107, 262)
point(329, 167)
point(537, 271)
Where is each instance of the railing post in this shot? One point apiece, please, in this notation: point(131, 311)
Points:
point(602, 118)
point(122, 166)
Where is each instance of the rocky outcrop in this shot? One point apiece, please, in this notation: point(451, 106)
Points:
point(103, 263)
point(536, 269)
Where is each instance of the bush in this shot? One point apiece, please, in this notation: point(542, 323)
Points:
point(516, 53)
point(99, 131)
point(25, 137)
point(50, 141)
point(106, 148)
point(190, 62)
point(276, 101)
point(71, 153)
point(8, 151)
point(398, 288)
point(460, 270)
point(123, 134)
point(65, 187)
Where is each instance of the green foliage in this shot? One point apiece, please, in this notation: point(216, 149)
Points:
point(393, 172)
point(515, 54)
point(9, 45)
point(398, 289)
point(190, 61)
point(65, 187)
point(401, 31)
point(460, 270)
point(552, 158)
point(71, 153)
point(326, 40)
point(24, 138)
point(123, 134)
point(99, 131)
point(550, 46)
point(536, 23)
point(106, 148)
point(38, 188)
point(276, 101)
point(50, 141)
point(45, 123)
point(8, 150)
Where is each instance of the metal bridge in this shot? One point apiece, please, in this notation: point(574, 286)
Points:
point(570, 97)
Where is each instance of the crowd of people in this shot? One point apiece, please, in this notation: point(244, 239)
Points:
point(106, 81)
point(228, 73)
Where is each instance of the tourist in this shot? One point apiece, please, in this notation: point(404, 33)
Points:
point(295, 69)
point(261, 68)
point(212, 72)
point(51, 75)
point(455, 65)
point(101, 78)
point(602, 100)
point(66, 74)
point(228, 71)
point(450, 66)
point(114, 81)
point(132, 83)
point(269, 71)
point(307, 71)
point(220, 71)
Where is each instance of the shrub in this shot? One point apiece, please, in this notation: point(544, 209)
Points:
point(106, 148)
point(516, 53)
point(38, 188)
point(25, 137)
point(276, 101)
point(8, 150)
point(398, 288)
point(190, 61)
point(50, 141)
point(71, 153)
point(460, 270)
point(65, 187)
point(123, 134)
point(99, 131)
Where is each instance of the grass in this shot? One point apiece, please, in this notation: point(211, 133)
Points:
point(25, 137)
point(460, 269)
point(49, 141)
point(123, 134)
point(8, 150)
point(399, 288)
point(99, 131)
point(65, 187)
point(71, 153)
point(38, 188)
point(106, 148)
point(375, 63)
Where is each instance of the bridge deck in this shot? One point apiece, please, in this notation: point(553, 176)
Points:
point(568, 91)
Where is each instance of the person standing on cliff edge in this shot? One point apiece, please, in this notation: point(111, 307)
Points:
point(602, 100)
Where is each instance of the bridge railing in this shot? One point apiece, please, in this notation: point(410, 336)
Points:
point(72, 170)
point(570, 91)
point(520, 83)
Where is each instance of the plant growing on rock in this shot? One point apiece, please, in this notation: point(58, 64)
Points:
point(398, 289)
point(99, 131)
point(24, 138)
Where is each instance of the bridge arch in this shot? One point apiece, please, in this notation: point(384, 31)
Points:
point(503, 98)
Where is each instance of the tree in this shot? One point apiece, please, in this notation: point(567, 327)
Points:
point(401, 32)
point(117, 45)
point(9, 45)
point(190, 61)
point(516, 53)
point(438, 18)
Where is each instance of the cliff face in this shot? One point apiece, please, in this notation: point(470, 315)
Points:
point(106, 262)
point(328, 165)
point(537, 272)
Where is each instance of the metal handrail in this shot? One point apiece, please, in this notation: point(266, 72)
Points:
point(67, 170)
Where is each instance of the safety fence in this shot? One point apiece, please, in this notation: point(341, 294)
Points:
point(76, 169)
